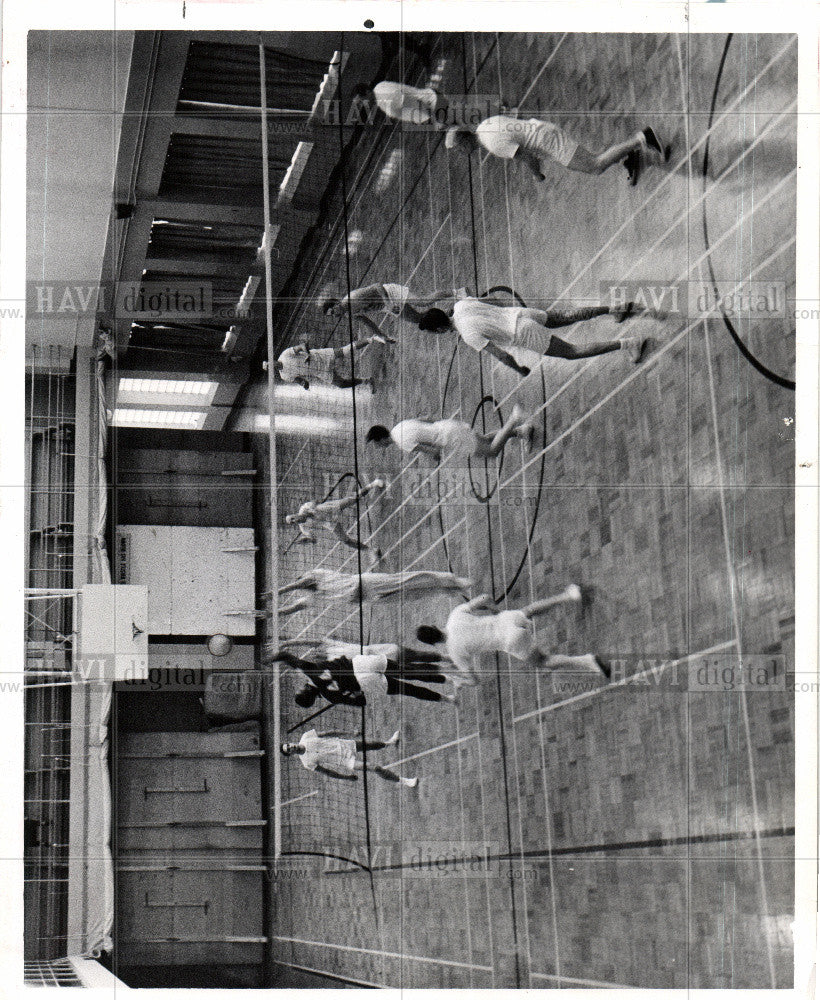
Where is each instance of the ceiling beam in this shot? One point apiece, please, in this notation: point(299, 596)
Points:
point(203, 265)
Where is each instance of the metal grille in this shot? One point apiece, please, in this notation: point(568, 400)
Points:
point(234, 244)
point(229, 74)
point(56, 973)
point(205, 165)
point(48, 631)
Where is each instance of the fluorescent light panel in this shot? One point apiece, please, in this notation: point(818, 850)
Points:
point(159, 418)
point(292, 424)
point(174, 386)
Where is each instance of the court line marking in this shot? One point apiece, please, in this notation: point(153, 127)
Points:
point(732, 576)
point(307, 795)
point(625, 681)
point(385, 954)
point(489, 920)
point(442, 746)
point(330, 975)
point(582, 982)
point(530, 574)
point(527, 940)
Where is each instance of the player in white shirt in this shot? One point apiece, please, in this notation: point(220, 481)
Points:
point(453, 440)
point(335, 754)
point(302, 365)
point(389, 298)
point(400, 101)
point(477, 628)
point(368, 587)
point(328, 514)
point(530, 141)
point(495, 326)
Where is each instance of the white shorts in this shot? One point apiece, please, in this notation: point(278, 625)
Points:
point(530, 331)
point(516, 628)
point(397, 296)
point(456, 439)
point(549, 140)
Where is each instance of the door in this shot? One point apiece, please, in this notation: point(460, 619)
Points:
point(189, 849)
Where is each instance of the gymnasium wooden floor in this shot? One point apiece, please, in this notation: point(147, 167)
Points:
point(641, 832)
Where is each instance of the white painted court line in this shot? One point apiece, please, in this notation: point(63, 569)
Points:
point(732, 581)
point(540, 73)
point(331, 975)
point(625, 681)
point(385, 954)
point(503, 541)
point(307, 795)
point(733, 588)
point(542, 750)
point(441, 746)
point(592, 983)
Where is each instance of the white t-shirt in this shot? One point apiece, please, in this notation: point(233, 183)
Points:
point(478, 323)
point(504, 136)
point(469, 635)
point(369, 669)
point(329, 751)
point(317, 363)
point(406, 103)
point(450, 436)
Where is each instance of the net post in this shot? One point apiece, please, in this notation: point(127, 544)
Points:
point(274, 544)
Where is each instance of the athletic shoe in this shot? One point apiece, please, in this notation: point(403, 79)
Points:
point(573, 592)
point(409, 782)
point(604, 667)
point(378, 484)
point(624, 313)
point(394, 739)
point(634, 348)
point(633, 165)
point(654, 144)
